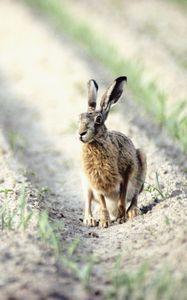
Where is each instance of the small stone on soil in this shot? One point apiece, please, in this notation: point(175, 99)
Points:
point(91, 234)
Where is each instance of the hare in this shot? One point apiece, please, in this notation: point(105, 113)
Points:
point(113, 170)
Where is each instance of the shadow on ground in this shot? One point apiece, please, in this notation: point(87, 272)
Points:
point(39, 160)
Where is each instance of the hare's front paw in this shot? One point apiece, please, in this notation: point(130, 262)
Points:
point(104, 220)
point(121, 218)
point(89, 221)
point(133, 211)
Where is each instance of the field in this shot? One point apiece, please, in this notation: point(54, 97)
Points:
point(48, 52)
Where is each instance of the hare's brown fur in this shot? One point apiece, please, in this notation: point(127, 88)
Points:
point(113, 168)
point(105, 165)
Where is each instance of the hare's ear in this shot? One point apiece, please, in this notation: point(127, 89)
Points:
point(112, 94)
point(92, 94)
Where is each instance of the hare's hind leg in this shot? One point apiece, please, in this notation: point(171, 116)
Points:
point(104, 214)
point(133, 209)
point(121, 218)
point(88, 217)
point(139, 180)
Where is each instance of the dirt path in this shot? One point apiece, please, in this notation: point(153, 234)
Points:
point(42, 90)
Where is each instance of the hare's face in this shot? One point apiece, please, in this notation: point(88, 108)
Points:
point(90, 126)
point(91, 123)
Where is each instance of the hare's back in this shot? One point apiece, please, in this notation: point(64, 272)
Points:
point(122, 142)
point(127, 156)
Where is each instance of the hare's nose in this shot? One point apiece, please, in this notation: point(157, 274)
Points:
point(82, 133)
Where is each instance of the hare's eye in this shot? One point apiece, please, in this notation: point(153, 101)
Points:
point(98, 119)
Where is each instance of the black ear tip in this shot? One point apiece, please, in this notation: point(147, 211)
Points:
point(94, 82)
point(121, 78)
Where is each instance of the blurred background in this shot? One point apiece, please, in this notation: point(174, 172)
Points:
point(146, 40)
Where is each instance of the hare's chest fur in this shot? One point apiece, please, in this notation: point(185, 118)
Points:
point(101, 169)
